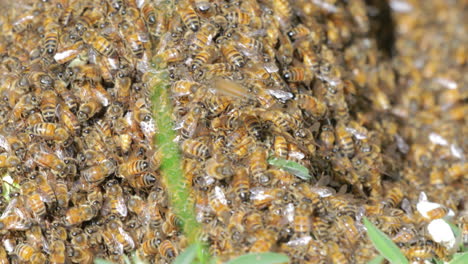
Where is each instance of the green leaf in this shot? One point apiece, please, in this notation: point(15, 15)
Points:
point(260, 258)
point(437, 261)
point(102, 261)
point(455, 229)
point(377, 260)
point(384, 244)
point(187, 256)
point(292, 167)
point(460, 258)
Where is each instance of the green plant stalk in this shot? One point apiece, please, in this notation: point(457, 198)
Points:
point(171, 161)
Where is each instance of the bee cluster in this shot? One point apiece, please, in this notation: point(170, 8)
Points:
point(303, 81)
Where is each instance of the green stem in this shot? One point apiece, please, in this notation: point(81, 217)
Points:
point(171, 169)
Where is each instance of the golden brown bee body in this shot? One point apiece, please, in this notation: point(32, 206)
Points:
point(77, 215)
point(189, 17)
point(425, 251)
point(98, 173)
point(345, 140)
point(241, 184)
point(258, 165)
point(48, 105)
point(280, 145)
point(394, 197)
point(301, 223)
point(24, 251)
point(150, 246)
point(100, 44)
point(49, 131)
point(50, 161)
point(232, 55)
point(167, 249)
point(57, 252)
point(218, 203)
point(88, 110)
point(36, 205)
point(311, 105)
point(195, 148)
point(50, 42)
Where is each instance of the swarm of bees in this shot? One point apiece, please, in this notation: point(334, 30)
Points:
point(302, 81)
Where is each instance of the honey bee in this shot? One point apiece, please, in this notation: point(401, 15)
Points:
point(238, 17)
point(57, 252)
point(24, 251)
point(144, 180)
point(253, 221)
point(99, 172)
point(203, 57)
point(168, 56)
point(36, 205)
point(190, 122)
point(51, 42)
point(49, 160)
point(311, 105)
point(232, 55)
point(114, 203)
point(218, 170)
point(195, 148)
point(393, 197)
point(456, 171)
point(226, 122)
point(240, 184)
point(405, 235)
point(100, 44)
point(50, 131)
point(279, 119)
point(80, 255)
point(344, 140)
point(184, 88)
point(258, 166)
point(217, 70)
point(336, 255)
point(437, 213)
point(24, 106)
point(88, 110)
point(189, 17)
point(346, 224)
point(253, 125)
point(263, 198)
point(79, 214)
point(320, 228)
point(61, 192)
point(3, 256)
point(151, 246)
point(8, 161)
point(301, 223)
point(219, 204)
point(16, 144)
point(265, 241)
point(298, 32)
point(167, 249)
point(131, 168)
point(298, 74)
point(425, 251)
point(68, 97)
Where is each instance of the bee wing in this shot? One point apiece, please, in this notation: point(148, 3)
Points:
point(4, 143)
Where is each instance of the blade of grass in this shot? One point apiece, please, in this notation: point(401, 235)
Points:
point(377, 260)
point(384, 244)
point(292, 167)
point(260, 258)
point(187, 256)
